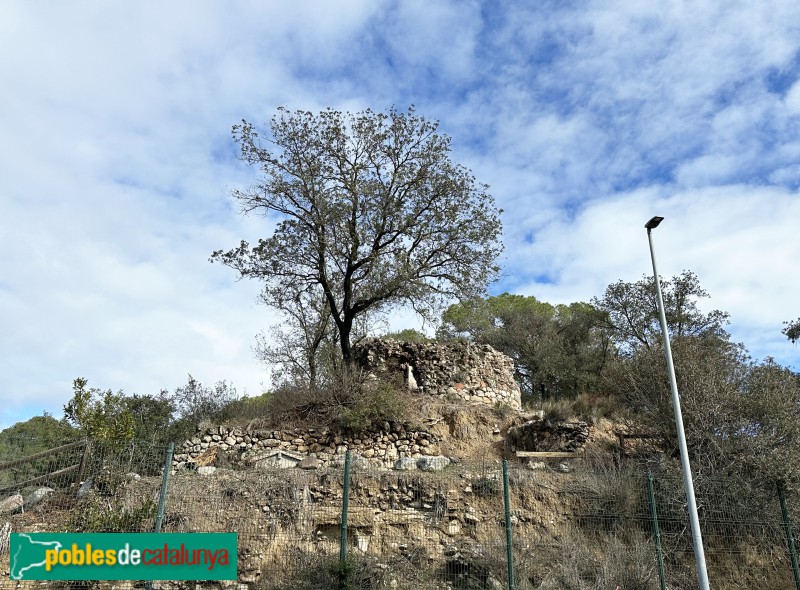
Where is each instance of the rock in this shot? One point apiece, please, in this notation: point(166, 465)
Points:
point(493, 583)
point(206, 469)
point(436, 463)
point(11, 504)
point(132, 476)
point(405, 464)
point(37, 496)
point(86, 488)
point(5, 534)
point(536, 465)
point(310, 463)
point(470, 518)
point(453, 527)
point(359, 462)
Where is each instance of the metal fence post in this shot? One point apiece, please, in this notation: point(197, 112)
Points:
point(343, 530)
point(509, 546)
point(651, 495)
point(162, 496)
point(787, 527)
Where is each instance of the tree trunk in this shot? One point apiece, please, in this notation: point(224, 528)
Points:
point(344, 341)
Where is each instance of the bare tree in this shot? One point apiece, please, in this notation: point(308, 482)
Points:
point(371, 213)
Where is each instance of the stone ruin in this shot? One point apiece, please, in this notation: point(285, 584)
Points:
point(309, 448)
point(460, 370)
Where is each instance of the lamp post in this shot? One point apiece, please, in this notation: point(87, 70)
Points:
point(697, 539)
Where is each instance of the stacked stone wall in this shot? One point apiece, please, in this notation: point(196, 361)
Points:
point(381, 449)
point(455, 371)
point(460, 370)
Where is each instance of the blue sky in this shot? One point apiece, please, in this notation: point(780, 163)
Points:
point(585, 118)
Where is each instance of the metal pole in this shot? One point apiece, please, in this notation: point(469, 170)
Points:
point(509, 547)
point(345, 499)
point(787, 527)
point(694, 521)
point(656, 531)
point(162, 497)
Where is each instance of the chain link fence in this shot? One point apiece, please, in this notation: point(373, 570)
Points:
point(574, 525)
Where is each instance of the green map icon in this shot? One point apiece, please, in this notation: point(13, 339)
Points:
point(28, 554)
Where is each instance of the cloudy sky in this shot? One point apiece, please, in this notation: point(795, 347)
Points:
point(586, 118)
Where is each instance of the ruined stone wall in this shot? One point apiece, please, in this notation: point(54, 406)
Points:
point(462, 370)
point(456, 371)
point(386, 448)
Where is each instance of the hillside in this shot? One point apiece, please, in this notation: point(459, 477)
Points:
point(426, 496)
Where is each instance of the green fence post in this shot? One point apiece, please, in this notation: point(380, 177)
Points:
point(651, 495)
point(343, 531)
point(787, 527)
point(162, 496)
point(509, 546)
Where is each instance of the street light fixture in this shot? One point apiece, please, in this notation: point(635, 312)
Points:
point(697, 539)
point(653, 223)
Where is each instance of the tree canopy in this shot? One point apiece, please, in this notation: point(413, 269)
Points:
point(632, 310)
point(792, 330)
point(370, 213)
point(558, 350)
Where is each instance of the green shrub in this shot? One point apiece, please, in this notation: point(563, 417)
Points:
point(592, 407)
point(102, 515)
point(351, 403)
point(558, 410)
point(486, 486)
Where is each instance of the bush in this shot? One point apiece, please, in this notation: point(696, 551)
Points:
point(558, 410)
point(589, 565)
point(247, 408)
point(350, 404)
point(103, 515)
point(592, 407)
point(610, 498)
point(486, 486)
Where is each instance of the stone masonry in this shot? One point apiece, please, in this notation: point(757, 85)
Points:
point(461, 370)
point(381, 449)
point(458, 371)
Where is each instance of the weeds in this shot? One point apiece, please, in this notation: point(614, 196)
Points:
point(103, 515)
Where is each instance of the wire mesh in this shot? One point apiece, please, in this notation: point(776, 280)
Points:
point(577, 526)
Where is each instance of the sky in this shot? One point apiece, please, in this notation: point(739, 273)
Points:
point(585, 118)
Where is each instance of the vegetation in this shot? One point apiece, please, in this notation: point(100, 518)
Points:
point(792, 330)
point(100, 415)
point(558, 350)
point(371, 213)
point(351, 404)
point(632, 312)
point(407, 335)
point(97, 515)
point(740, 416)
point(35, 435)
